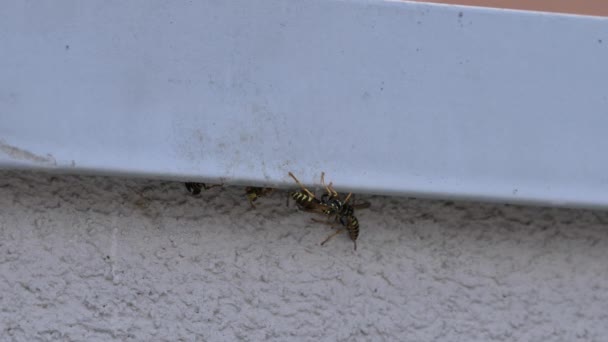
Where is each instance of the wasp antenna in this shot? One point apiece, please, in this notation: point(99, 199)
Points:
point(327, 188)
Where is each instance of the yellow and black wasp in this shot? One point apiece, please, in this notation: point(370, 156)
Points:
point(306, 200)
point(337, 207)
point(342, 212)
point(253, 193)
point(332, 206)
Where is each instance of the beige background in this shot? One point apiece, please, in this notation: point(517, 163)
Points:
point(588, 7)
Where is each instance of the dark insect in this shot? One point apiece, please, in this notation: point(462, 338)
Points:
point(253, 193)
point(196, 188)
point(342, 212)
point(306, 200)
point(335, 206)
point(332, 206)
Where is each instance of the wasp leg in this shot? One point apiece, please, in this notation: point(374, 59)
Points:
point(301, 185)
point(331, 236)
point(331, 191)
point(347, 197)
point(329, 188)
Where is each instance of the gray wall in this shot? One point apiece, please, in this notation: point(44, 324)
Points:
point(91, 258)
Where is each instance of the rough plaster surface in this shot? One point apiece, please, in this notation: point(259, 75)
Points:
point(97, 259)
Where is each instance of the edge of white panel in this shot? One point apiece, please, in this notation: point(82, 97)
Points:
point(397, 98)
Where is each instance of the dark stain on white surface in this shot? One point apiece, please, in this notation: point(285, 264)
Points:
point(21, 154)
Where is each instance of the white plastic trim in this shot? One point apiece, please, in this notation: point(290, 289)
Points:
point(386, 97)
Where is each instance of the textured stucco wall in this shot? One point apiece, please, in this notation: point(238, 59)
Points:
point(92, 258)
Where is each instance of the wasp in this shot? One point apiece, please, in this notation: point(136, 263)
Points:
point(253, 193)
point(306, 200)
point(336, 207)
point(196, 188)
point(342, 212)
point(329, 204)
point(332, 206)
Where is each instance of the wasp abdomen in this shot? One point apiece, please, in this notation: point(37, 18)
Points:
point(305, 201)
point(194, 188)
point(352, 226)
